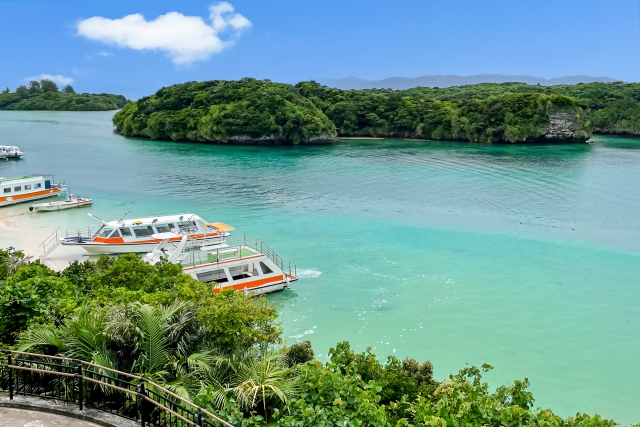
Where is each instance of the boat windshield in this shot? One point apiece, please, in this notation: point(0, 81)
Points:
point(97, 233)
point(106, 232)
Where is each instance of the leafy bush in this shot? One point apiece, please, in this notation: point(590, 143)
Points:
point(34, 294)
point(299, 353)
point(329, 398)
point(408, 378)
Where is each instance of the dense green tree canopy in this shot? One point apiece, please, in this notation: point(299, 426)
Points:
point(221, 111)
point(45, 95)
point(253, 111)
point(47, 85)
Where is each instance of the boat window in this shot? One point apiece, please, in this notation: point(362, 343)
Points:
point(18, 188)
point(125, 231)
point(38, 185)
point(27, 187)
point(106, 232)
point(7, 190)
point(115, 234)
point(143, 230)
point(265, 269)
point(163, 228)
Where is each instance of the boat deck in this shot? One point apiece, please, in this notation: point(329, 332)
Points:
point(195, 258)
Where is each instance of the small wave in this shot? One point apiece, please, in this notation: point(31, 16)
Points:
point(308, 273)
point(298, 336)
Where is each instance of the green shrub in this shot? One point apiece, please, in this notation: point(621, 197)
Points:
point(299, 353)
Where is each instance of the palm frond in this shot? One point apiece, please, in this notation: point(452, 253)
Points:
point(41, 335)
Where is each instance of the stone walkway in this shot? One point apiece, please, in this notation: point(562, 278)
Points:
point(12, 417)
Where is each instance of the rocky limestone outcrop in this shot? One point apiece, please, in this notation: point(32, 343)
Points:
point(564, 126)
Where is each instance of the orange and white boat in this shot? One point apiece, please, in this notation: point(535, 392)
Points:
point(137, 235)
point(28, 188)
point(239, 262)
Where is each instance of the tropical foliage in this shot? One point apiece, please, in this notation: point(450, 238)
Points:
point(45, 95)
point(224, 352)
point(259, 111)
point(221, 111)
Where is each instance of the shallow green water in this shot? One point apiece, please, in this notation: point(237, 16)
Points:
point(526, 258)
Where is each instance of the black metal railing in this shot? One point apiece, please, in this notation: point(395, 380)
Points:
point(89, 385)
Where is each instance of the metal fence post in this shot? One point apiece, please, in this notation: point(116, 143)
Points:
point(142, 394)
point(80, 379)
point(10, 376)
point(200, 417)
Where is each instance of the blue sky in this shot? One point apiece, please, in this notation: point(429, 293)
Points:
point(295, 40)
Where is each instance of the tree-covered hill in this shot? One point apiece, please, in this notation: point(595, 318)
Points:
point(45, 95)
point(610, 107)
point(226, 111)
point(254, 111)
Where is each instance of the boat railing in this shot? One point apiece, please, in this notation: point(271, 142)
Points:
point(83, 233)
point(236, 247)
point(260, 246)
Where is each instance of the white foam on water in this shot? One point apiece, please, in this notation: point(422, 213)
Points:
point(298, 336)
point(308, 273)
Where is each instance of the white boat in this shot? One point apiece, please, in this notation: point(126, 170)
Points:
point(3, 153)
point(238, 262)
point(71, 202)
point(136, 235)
point(28, 188)
point(12, 151)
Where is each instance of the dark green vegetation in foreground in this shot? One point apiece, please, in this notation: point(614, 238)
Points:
point(259, 111)
point(45, 95)
point(225, 352)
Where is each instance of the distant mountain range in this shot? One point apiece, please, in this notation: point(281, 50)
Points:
point(453, 80)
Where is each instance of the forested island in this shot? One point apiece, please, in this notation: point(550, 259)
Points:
point(226, 353)
point(46, 95)
point(260, 111)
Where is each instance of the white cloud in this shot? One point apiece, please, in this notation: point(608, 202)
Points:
point(185, 39)
point(103, 53)
point(62, 80)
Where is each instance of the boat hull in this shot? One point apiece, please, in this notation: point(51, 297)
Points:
point(255, 287)
point(59, 206)
point(22, 198)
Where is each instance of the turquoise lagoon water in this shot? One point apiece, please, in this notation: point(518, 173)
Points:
point(526, 258)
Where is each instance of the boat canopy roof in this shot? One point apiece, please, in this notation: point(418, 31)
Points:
point(21, 178)
point(164, 219)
